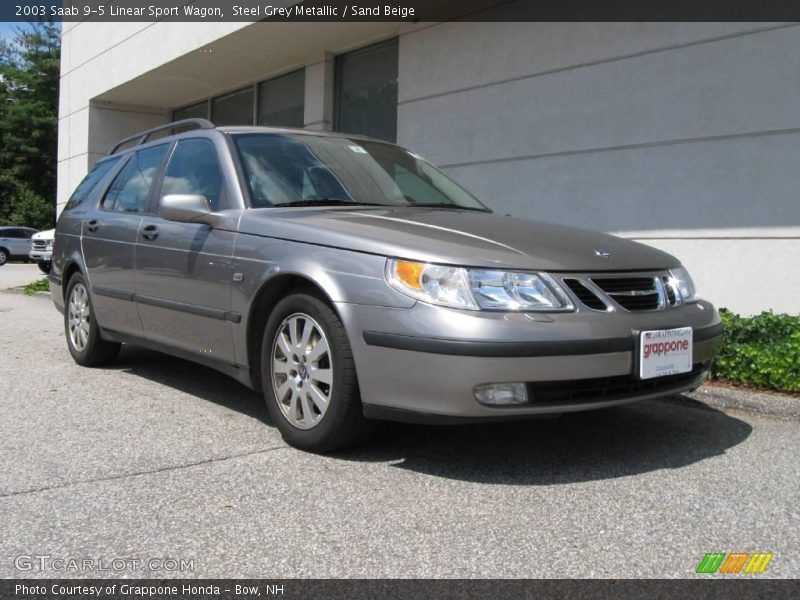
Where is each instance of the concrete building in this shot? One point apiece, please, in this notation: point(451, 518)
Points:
point(683, 135)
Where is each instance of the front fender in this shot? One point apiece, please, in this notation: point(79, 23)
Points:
point(343, 276)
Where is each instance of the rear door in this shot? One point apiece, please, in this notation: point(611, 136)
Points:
point(184, 270)
point(109, 240)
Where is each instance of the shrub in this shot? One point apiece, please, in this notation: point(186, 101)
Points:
point(761, 351)
point(41, 285)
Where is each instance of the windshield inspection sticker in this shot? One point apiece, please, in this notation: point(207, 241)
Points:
point(357, 149)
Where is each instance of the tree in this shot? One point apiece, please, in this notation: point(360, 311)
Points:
point(29, 79)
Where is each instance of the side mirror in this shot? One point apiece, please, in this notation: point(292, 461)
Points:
point(187, 208)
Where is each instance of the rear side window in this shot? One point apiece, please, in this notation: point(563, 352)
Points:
point(194, 169)
point(89, 182)
point(130, 189)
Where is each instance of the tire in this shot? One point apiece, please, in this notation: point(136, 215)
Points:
point(45, 266)
point(296, 385)
point(3, 256)
point(85, 345)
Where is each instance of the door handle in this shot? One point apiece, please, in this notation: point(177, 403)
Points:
point(150, 232)
point(92, 226)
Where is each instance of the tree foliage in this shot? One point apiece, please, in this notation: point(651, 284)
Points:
point(29, 79)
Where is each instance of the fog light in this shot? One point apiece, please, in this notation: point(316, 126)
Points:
point(497, 394)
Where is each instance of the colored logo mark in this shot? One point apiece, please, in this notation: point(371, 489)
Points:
point(734, 562)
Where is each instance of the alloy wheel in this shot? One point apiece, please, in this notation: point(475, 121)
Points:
point(302, 370)
point(80, 314)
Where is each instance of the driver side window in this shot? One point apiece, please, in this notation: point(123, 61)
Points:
point(194, 169)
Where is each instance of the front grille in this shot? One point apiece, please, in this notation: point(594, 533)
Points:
point(631, 293)
point(585, 295)
point(609, 388)
point(40, 244)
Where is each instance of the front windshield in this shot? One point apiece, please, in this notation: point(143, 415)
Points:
point(289, 169)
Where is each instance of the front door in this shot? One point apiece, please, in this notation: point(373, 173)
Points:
point(184, 270)
point(109, 238)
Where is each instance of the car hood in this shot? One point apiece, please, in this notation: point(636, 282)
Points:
point(48, 234)
point(456, 237)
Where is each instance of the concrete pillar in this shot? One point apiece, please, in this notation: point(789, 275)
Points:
point(87, 135)
point(319, 93)
point(108, 123)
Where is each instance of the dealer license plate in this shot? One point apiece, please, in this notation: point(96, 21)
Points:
point(665, 352)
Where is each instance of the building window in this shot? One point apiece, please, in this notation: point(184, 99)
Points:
point(281, 101)
point(195, 111)
point(366, 91)
point(235, 108)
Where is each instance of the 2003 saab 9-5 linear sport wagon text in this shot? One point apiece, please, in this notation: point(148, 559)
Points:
point(351, 281)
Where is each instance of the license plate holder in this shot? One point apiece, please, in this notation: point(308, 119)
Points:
point(664, 352)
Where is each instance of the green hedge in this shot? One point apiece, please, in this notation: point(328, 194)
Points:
point(761, 351)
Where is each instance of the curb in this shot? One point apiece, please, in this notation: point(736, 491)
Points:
point(748, 400)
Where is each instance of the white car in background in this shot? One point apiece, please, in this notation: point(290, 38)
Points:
point(42, 249)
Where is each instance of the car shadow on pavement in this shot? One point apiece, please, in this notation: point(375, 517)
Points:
point(192, 378)
point(603, 444)
point(627, 440)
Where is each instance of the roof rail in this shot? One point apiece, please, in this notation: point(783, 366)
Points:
point(141, 138)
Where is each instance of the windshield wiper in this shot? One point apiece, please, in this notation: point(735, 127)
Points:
point(326, 202)
point(448, 206)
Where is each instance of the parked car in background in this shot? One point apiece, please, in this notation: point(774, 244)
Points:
point(350, 281)
point(42, 248)
point(15, 243)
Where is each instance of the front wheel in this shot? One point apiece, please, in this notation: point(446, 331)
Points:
point(45, 266)
point(3, 256)
point(85, 345)
point(309, 377)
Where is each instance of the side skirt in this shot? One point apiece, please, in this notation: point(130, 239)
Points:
point(238, 372)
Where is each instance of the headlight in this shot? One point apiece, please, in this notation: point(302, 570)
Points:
point(683, 281)
point(448, 286)
point(476, 289)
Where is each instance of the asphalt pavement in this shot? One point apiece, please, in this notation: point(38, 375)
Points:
point(157, 458)
point(16, 274)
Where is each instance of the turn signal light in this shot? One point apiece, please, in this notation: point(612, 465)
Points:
point(409, 273)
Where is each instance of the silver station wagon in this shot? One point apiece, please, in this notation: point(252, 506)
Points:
point(351, 281)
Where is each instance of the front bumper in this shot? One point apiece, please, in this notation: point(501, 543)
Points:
point(423, 363)
point(40, 255)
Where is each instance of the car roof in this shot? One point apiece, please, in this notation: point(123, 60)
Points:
point(118, 150)
point(296, 131)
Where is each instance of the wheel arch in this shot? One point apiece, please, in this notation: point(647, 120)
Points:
point(268, 295)
point(70, 268)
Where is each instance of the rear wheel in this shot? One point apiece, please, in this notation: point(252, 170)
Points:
point(309, 377)
point(3, 256)
point(85, 345)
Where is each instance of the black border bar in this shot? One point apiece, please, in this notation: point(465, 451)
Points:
point(699, 588)
point(401, 10)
